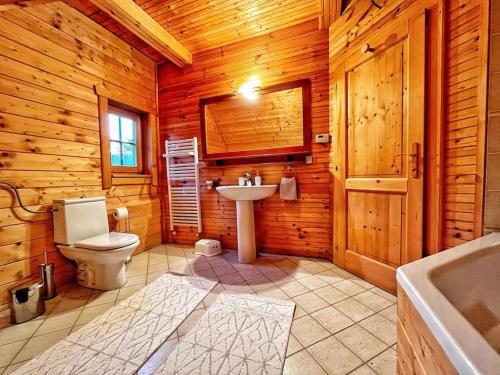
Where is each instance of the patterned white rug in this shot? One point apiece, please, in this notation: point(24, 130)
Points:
point(238, 334)
point(123, 338)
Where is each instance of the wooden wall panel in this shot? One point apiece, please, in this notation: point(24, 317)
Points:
point(465, 111)
point(492, 189)
point(51, 57)
point(297, 52)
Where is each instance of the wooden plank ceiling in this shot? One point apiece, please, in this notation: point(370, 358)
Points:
point(205, 24)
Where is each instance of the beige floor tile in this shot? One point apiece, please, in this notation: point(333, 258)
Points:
point(390, 313)
point(260, 283)
point(273, 293)
point(69, 305)
point(153, 276)
point(158, 267)
point(273, 276)
point(310, 302)
point(330, 277)
point(207, 273)
point(299, 312)
point(331, 294)
point(128, 291)
point(57, 322)
point(279, 277)
point(384, 294)
point(334, 357)
point(361, 342)
point(177, 263)
point(199, 265)
point(78, 291)
point(293, 345)
point(286, 264)
point(384, 363)
point(302, 363)
point(101, 297)
point(372, 300)
point(342, 272)
point(312, 282)
point(353, 309)
point(239, 288)
point(38, 344)
point(363, 370)
point(231, 278)
point(332, 319)
point(250, 274)
point(313, 267)
point(361, 282)
point(18, 332)
point(308, 331)
point(293, 288)
point(89, 313)
point(136, 269)
point(298, 273)
point(8, 352)
point(348, 287)
point(381, 327)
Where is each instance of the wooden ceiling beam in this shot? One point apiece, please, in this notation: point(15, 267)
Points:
point(15, 4)
point(135, 19)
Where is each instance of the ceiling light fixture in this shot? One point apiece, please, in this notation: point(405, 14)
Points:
point(250, 88)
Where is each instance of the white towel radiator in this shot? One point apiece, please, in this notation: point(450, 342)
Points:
point(183, 183)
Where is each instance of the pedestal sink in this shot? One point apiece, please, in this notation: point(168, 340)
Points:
point(244, 197)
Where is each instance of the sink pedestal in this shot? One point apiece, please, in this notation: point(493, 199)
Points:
point(246, 232)
point(244, 197)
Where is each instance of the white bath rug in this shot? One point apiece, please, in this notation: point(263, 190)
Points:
point(123, 338)
point(238, 334)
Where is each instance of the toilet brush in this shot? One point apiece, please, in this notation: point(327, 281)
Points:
point(48, 279)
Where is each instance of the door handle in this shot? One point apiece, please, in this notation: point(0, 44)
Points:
point(414, 155)
point(415, 147)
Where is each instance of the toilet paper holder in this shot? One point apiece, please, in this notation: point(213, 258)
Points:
point(120, 214)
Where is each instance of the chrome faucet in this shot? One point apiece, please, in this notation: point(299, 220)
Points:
point(248, 179)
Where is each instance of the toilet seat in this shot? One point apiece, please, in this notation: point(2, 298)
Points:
point(107, 241)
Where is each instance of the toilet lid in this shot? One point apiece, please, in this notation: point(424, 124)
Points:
point(107, 241)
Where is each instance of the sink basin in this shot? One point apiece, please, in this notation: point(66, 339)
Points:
point(244, 197)
point(247, 193)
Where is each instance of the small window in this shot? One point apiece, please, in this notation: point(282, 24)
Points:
point(125, 140)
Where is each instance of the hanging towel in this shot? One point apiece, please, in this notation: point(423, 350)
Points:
point(288, 189)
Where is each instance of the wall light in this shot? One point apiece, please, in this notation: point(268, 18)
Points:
point(250, 88)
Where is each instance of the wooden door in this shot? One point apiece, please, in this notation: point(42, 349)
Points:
point(379, 113)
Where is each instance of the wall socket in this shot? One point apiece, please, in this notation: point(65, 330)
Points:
point(322, 138)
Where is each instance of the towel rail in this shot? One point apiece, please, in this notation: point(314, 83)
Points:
point(183, 181)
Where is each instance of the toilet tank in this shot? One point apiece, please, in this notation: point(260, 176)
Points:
point(79, 219)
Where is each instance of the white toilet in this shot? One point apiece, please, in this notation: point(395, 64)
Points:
point(81, 232)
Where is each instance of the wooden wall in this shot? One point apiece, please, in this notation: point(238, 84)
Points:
point(297, 52)
point(465, 119)
point(492, 190)
point(51, 57)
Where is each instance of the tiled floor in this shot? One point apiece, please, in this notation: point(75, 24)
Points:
point(342, 324)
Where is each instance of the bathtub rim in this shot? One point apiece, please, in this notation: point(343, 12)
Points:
point(466, 348)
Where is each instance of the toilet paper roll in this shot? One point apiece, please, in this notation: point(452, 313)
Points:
point(120, 213)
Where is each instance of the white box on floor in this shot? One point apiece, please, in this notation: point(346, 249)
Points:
point(207, 247)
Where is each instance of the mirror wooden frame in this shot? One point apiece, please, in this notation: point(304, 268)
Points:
point(305, 84)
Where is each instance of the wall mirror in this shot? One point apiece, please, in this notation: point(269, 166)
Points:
point(275, 120)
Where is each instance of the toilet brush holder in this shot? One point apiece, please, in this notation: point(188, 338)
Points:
point(48, 280)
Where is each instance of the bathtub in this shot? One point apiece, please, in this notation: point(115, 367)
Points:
point(457, 293)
